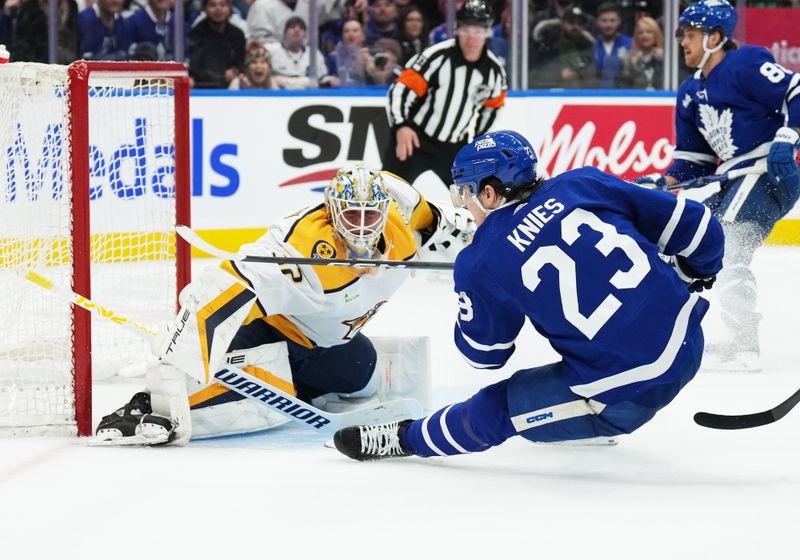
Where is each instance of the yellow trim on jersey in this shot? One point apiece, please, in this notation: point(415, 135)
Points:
point(255, 311)
point(304, 236)
point(398, 236)
point(228, 267)
point(207, 312)
point(289, 330)
point(422, 216)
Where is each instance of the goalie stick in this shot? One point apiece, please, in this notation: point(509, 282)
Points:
point(254, 388)
point(698, 182)
point(742, 421)
point(191, 237)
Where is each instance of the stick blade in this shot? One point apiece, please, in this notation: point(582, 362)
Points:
point(734, 422)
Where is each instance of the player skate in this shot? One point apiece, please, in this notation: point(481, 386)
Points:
point(729, 356)
point(372, 443)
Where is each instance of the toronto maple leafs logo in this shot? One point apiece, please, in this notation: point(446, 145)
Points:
point(717, 131)
point(687, 101)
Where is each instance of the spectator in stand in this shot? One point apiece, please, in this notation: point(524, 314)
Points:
point(383, 63)
point(102, 31)
point(382, 22)
point(266, 19)
point(29, 41)
point(565, 53)
point(7, 16)
point(257, 70)
point(439, 33)
point(290, 59)
point(413, 32)
point(555, 10)
point(236, 17)
point(153, 26)
point(498, 42)
point(348, 61)
point(330, 33)
point(643, 68)
point(216, 47)
point(611, 46)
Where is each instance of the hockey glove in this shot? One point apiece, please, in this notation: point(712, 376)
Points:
point(693, 284)
point(781, 162)
point(451, 231)
point(654, 181)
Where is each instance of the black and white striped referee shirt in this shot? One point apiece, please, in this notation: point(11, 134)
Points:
point(446, 97)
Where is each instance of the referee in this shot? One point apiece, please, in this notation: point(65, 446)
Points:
point(445, 96)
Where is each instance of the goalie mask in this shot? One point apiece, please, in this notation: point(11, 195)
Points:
point(358, 205)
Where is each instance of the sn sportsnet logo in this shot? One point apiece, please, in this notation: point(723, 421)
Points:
point(623, 140)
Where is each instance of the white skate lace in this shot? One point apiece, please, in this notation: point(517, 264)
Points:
point(381, 440)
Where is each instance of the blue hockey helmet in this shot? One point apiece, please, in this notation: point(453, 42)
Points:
point(505, 155)
point(709, 15)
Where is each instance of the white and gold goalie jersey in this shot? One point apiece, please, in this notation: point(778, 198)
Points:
point(325, 305)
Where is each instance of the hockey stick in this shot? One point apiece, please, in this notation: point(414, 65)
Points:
point(195, 240)
point(742, 421)
point(254, 388)
point(757, 169)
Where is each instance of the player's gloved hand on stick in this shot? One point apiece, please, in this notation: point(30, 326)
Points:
point(652, 181)
point(781, 162)
point(689, 277)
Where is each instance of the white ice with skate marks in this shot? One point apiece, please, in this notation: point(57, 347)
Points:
point(671, 490)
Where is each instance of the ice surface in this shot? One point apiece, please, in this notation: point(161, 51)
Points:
point(671, 490)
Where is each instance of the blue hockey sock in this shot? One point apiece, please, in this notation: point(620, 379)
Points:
point(473, 425)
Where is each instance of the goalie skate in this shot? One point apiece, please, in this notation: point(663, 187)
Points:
point(133, 424)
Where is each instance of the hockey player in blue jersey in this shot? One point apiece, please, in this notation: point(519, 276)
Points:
point(739, 110)
point(579, 256)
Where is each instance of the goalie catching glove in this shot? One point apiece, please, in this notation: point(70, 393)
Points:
point(452, 230)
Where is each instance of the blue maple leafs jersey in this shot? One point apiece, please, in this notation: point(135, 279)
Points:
point(580, 259)
point(732, 115)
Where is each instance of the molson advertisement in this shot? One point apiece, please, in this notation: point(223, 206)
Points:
point(261, 156)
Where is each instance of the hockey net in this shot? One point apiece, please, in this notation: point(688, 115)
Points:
point(95, 178)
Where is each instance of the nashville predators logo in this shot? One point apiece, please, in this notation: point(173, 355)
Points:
point(358, 323)
point(323, 250)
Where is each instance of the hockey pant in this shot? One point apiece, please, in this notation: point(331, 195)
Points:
point(538, 405)
point(748, 209)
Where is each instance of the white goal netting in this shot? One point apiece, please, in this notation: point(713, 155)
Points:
point(132, 217)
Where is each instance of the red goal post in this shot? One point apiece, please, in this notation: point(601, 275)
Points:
point(96, 177)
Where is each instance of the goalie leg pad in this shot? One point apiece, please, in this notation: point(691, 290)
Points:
point(402, 370)
point(167, 387)
point(217, 411)
point(213, 308)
